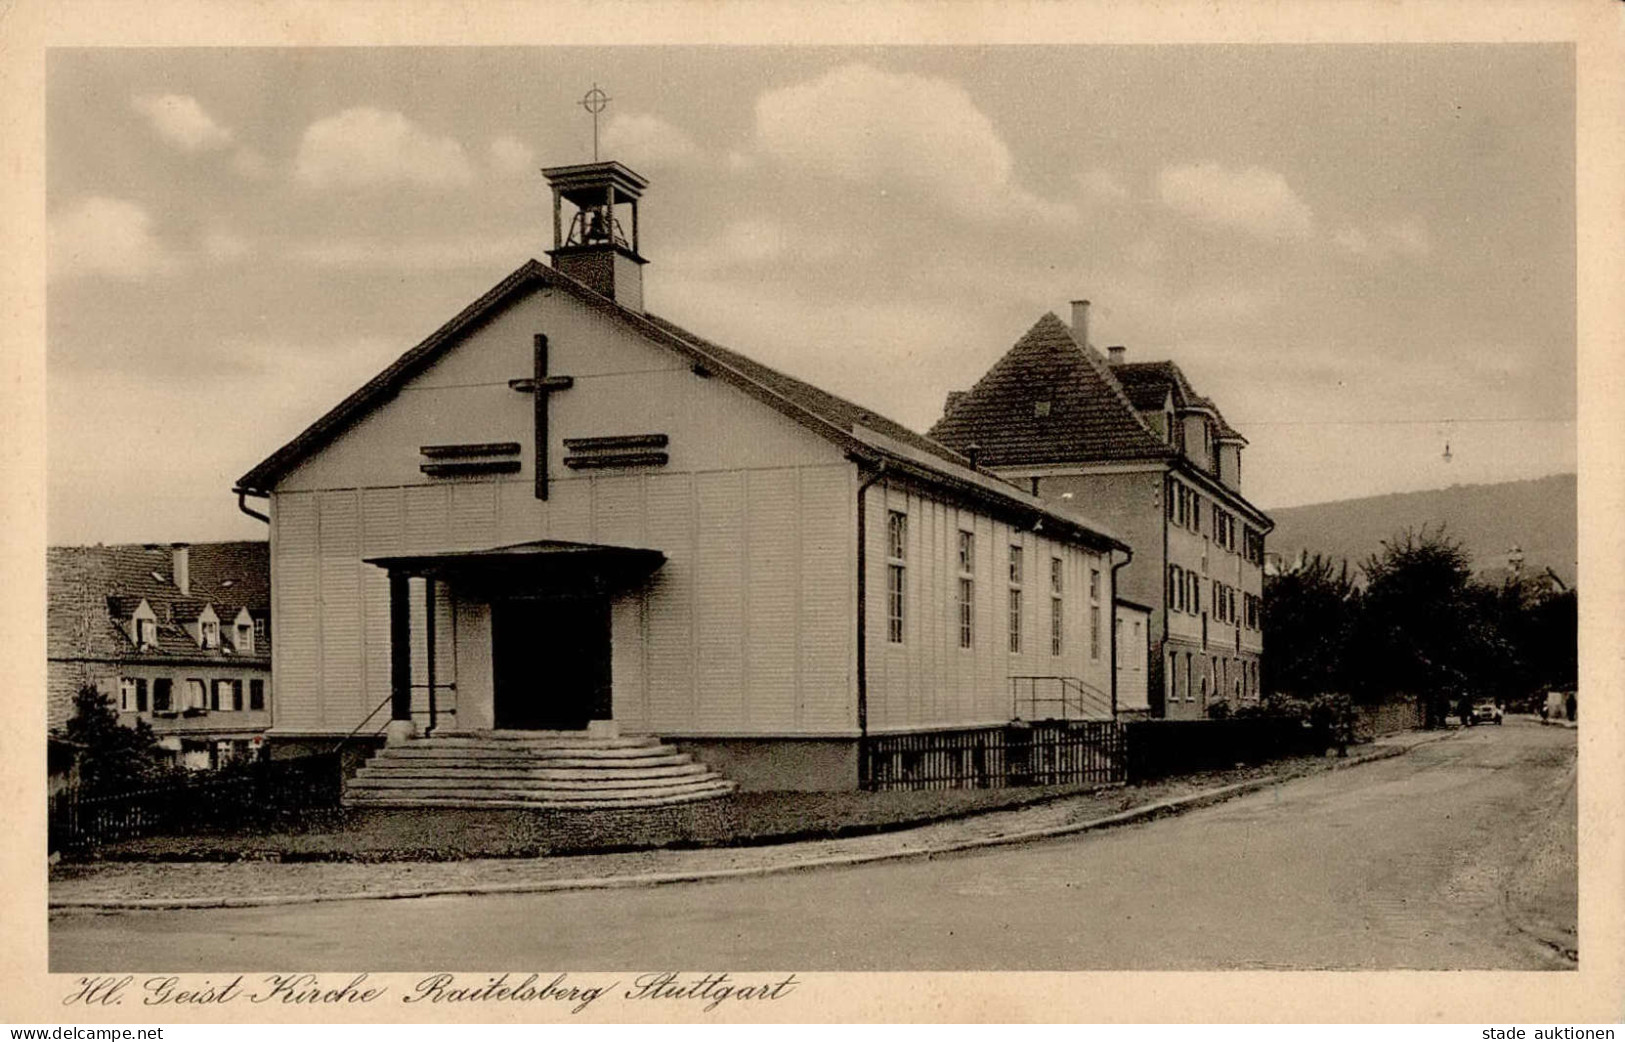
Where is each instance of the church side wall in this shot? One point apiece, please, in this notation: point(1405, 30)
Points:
point(928, 679)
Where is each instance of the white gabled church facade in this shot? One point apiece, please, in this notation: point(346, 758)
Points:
point(560, 513)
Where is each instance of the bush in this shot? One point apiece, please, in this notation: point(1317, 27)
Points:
point(115, 758)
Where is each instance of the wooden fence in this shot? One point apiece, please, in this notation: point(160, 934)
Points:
point(1058, 752)
point(256, 794)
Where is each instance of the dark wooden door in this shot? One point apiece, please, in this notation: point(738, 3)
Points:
point(550, 663)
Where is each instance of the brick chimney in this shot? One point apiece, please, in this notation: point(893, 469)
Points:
point(180, 556)
point(1080, 322)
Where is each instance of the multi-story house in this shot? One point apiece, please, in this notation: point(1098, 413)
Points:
point(1133, 445)
point(176, 635)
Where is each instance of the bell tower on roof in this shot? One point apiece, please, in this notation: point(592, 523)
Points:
point(596, 241)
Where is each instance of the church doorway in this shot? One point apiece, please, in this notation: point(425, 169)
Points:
point(550, 662)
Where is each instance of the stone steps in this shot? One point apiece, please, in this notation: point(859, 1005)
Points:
point(532, 769)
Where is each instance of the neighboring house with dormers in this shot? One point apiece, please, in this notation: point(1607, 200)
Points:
point(1133, 445)
point(176, 635)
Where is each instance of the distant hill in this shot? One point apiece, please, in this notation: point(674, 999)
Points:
point(1537, 515)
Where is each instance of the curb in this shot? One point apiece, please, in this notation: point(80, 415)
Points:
point(1145, 812)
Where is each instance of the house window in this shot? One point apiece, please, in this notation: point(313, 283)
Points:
point(1170, 497)
point(210, 633)
point(245, 638)
point(237, 695)
point(967, 611)
point(219, 695)
point(262, 629)
point(1176, 589)
point(162, 695)
point(1196, 593)
point(256, 694)
point(196, 694)
point(1015, 598)
point(896, 551)
point(967, 552)
point(1190, 679)
point(1041, 409)
point(132, 695)
point(1056, 623)
point(1094, 613)
point(146, 632)
point(1196, 513)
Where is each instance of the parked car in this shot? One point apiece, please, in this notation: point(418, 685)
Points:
point(1486, 712)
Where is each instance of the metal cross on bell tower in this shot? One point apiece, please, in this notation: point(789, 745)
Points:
point(595, 101)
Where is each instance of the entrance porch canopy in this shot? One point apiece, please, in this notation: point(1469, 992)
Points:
point(542, 566)
point(545, 566)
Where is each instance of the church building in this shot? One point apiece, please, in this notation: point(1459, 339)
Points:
point(561, 515)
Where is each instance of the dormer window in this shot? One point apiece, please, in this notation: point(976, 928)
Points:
point(245, 638)
point(1041, 409)
point(209, 633)
point(146, 633)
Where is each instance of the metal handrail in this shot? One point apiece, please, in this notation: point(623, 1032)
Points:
point(1076, 698)
point(364, 720)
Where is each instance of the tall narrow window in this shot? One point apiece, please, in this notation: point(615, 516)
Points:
point(146, 632)
point(196, 694)
point(126, 695)
point(163, 695)
point(1015, 598)
point(1056, 624)
point(210, 634)
point(262, 628)
point(1170, 495)
point(237, 695)
point(967, 589)
point(897, 556)
point(256, 694)
point(967, 612)
point(1094, 613)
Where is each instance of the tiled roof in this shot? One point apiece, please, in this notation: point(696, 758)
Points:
point(1150, 381)
point(90, 590)
point(1089, 415)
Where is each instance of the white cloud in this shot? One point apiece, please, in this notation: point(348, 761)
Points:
point(1254, 199)
point(1100, 183)
point(916, 134)
point(181, 121)
point(420, 255)
point(1405, 238)
point(103, 236)
point(367, 146)
point(511, 157)
point(650, 140)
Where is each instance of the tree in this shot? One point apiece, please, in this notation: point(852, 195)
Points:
point(116, 758)
point(1425, 628)
point(1309, 614)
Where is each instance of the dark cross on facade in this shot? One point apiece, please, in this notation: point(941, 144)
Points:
point(542, 386)
point(595, 101)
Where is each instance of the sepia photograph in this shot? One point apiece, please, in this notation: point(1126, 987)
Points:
point(781, 510)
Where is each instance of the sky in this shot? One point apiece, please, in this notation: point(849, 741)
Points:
point(1362, 253)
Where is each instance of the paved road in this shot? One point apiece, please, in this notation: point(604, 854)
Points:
point(1443, 858)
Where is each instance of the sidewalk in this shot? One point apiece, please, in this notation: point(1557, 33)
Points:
point(138, 885)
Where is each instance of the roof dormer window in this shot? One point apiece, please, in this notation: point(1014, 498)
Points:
point(244, 641)
point(146, 632)
point(209, 633)
point(1041, 408)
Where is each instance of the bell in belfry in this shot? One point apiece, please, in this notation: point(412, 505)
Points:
point(598, 229)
